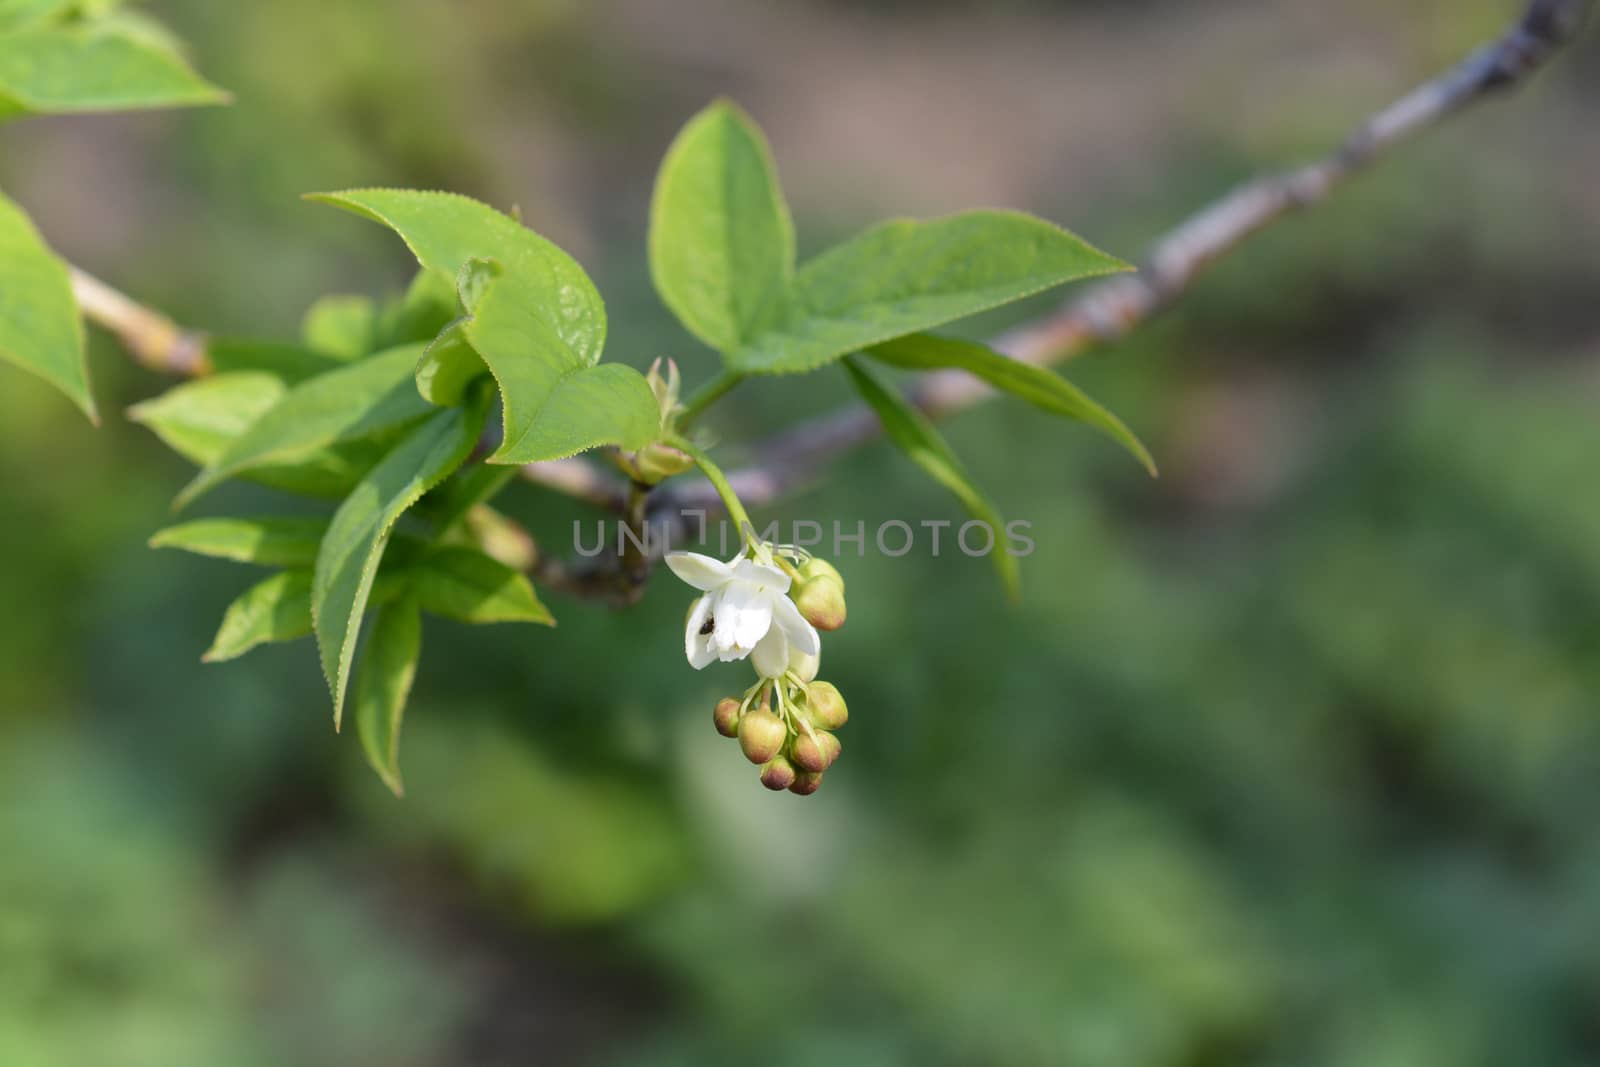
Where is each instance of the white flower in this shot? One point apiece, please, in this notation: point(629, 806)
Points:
point(746, 609)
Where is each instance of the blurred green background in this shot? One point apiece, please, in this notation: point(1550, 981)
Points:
point(1288, 758)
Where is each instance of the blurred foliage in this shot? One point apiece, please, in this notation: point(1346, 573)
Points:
point(1288, 758)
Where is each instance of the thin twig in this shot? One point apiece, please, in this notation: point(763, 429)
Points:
point(149, 336)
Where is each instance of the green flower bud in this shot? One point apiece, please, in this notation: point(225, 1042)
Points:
point(777, 774)
point(820, 568)
point(825, 707)
point(761, 735)
point(805, 783)
point(726, 717)
point(815, 755)
point(657, 462)
point(804, 667)
point(821, 601)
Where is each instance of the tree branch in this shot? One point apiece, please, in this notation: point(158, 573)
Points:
point(1111, 309)
point(1104, 312)
point(149, 336)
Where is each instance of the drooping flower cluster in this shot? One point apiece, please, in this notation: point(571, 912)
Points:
point(767, 604)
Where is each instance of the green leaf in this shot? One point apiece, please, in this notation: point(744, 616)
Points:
point(290, 363)
point(53, 69)
point(905, 276)
point(534, 317)
point(721, 237)
point(475, 485)
point(18, 13)
point(467, 585)
point(277, 609)
point(428, 306)
point(347, 562)
point(276, 542)
point(383, 685)
point(344, 327)
point(914, 435)
point(1039, 387)
point(39, 326)
point(355, 401)
point(448, 366)
point(199, 419)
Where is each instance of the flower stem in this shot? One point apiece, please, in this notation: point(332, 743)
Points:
point(719, 482)
point(706, 395)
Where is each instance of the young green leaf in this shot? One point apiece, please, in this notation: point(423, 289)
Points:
point(444, 231)
point(914, 435)
point(344, 327)
point(39, 326)
point(277, 609)
point(428, 306)
point(448, 366)
point(54, 69)
point(355, 401)
point(292, 364)
point(274, 542)
point(551, 410)
point(475, 485)
point(721, 237)
point(534, 317)
point(17, 14)
point(1039, 387)
point(383, 685)
point(904, 276)
point(466, 585)
point(347, 562)
point(199, 419)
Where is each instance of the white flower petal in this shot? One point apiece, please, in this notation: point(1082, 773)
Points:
point(744, 615)
point(761, 575)
point(802, 635)
point(696, 645)
point(702, 572)
point(771, 655)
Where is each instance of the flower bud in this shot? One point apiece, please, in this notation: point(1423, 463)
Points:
point(825, 707)
point(803, 666)
point(821, 601)
point(770, 657)
point(656, 462)
point(805, 783)
point(777, 774)
point(726, 717)
point(820, 568)
point(814, 754)
point(761, 735)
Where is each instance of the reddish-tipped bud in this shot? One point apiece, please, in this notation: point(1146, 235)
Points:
point(726, 717)
point(805, 783)
point(761, 735)
point(825, 707)
point(777, 774)
point(815, 754)
point(821, 601)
